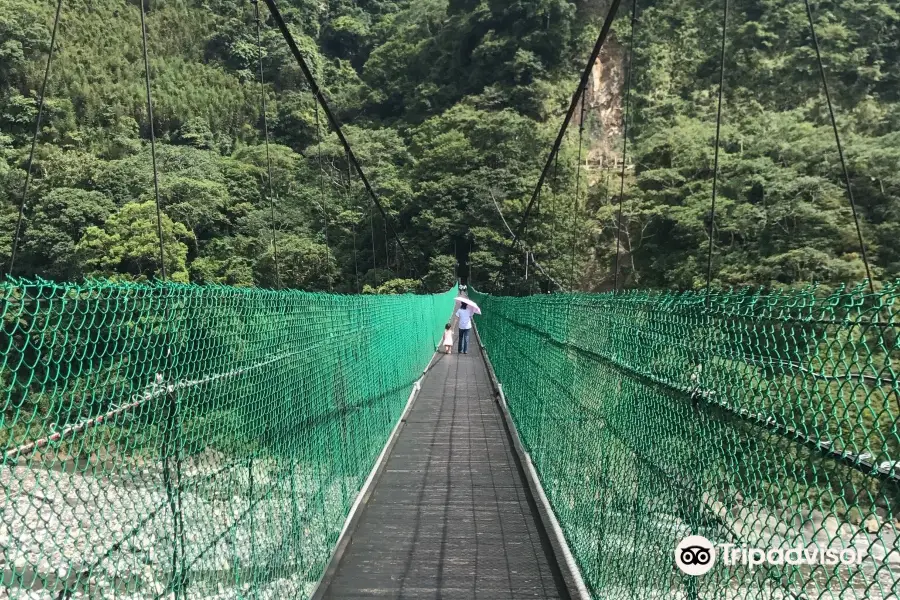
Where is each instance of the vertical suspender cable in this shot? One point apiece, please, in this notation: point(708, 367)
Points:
point(162, 262)
point(37, 130)
point(577, 189)
point(553, 204)
point(387, 252)
point(537, 211)
point(350, 203)
point(840, 148)
point(712, 216)
point(355, 260)
point(173, 496)
point(322, 183)
point(262, 95)
point(372, 235)
point(705, 356)
point(625, 115)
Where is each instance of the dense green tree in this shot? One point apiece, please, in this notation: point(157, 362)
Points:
point(61, 218)
point(441, 273)
point(128, 245)
point(302, 263)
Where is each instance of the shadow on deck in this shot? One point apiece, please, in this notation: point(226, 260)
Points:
point(451, 515)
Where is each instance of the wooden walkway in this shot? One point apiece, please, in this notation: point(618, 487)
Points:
point(451, 515)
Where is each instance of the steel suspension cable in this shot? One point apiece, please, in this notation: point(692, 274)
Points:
point(601, 39)
point(705, 357)
point(262, 95)
point(387, 251)
point(576, 97)
point(322, 182)
point(372, 235)
point(544, 272)
point(625, 116)
point(37, 130)
point(355, 260)
point(159, 232)
point(837, 140)
point(715, 186)
point(317, 92)
point(577, 188)
point(173, 496)
point(355, 224)
point(553, 204)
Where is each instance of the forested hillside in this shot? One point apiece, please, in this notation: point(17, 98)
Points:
point(451, 107)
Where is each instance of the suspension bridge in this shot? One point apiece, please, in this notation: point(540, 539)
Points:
point(167, 440)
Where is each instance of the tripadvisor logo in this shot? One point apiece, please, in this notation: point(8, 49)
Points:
point(695, 555)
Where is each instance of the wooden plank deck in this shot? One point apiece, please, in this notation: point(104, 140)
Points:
point(451, 515)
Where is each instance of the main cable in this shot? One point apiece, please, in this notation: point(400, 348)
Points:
point(715, 186)
point(840, 148)
point(317, 92)
point(576, 97)
point(37, 130)
point(585, 75)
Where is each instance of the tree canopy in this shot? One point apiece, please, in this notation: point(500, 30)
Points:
point(451, 107)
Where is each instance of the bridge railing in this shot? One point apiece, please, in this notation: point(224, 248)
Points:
point(201, 441)
point(763, 420)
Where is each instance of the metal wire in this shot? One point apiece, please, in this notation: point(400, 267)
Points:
point(544, 272)
point(387, 252)
point(625, 115)
point(169, 449)
point(372, 235)
point(322, 182)
point(715, 183)
point(837, 140)
point(159, 231)
point(575, 198)
point(523, 221)
point(355, 224)
point(37, 131)
point(552, 204)
point(576, 97)
point(262, 95)
point(317, 92)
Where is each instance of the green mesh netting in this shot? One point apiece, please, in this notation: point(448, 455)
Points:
point(168, 441)
point(765, 420)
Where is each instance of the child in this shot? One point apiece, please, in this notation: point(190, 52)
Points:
point(447, 341)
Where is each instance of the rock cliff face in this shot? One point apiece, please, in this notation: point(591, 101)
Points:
point(603, 97)
point(602, 135)
point(604, 107)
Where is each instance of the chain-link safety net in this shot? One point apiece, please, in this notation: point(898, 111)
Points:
point(177, 441)
point(762, 420)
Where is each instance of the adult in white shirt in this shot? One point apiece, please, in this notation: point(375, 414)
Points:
point(464, 314)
